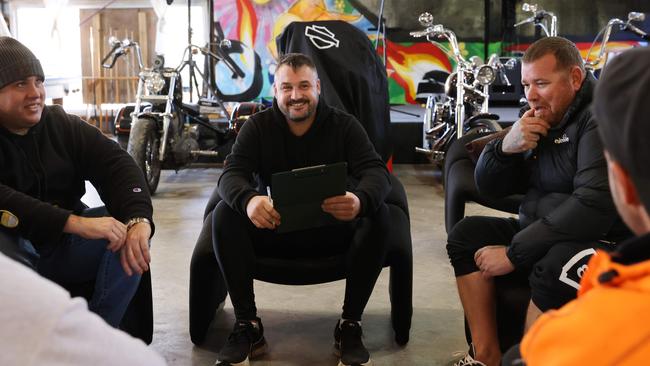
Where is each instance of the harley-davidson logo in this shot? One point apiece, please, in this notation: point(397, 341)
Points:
point(321, 37)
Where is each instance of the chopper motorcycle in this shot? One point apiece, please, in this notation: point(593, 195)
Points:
point(164, 132)
point(465, 107)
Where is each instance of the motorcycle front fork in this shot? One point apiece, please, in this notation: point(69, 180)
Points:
point(431, 144)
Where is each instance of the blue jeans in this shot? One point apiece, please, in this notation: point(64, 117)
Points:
point(75, 261)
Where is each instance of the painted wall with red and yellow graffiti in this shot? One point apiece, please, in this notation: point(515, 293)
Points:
point(257, 23)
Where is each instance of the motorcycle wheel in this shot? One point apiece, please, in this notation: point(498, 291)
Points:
point(144, 147)
point(484, 126)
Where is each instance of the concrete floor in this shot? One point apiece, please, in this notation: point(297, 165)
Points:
point(299, 320)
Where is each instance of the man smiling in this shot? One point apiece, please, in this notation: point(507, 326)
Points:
point(300, 131)
point(553, 154)
point(45, 157)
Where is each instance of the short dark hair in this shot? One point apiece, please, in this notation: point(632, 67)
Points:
point(566, 53)
point(296, 61)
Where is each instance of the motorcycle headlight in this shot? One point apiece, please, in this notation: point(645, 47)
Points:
point(485, 75)
point(154, 83)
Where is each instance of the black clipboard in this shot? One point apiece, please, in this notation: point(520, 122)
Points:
point(298, 194)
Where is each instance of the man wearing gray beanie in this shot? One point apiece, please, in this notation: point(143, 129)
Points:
point(607, 323)
point(45, 157)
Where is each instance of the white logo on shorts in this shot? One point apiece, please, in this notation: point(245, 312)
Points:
point(564, 276)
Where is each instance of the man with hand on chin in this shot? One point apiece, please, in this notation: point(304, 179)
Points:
point(553, 155)
point(45, 157)
point(300, 130)
point(606, 324)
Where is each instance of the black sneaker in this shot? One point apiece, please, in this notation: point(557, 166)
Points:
point(245, 341)
point(348, 344)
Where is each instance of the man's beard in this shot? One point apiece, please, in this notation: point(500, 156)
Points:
point(303, 117)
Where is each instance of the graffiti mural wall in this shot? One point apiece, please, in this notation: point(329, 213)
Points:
point(256, 23)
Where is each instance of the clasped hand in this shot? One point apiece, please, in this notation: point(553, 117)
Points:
point(133, 245)
point(493, 261)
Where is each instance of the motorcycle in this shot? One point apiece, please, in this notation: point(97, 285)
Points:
point(164, 132)
point(465, 107)
point(613, 24)
point(541, 18)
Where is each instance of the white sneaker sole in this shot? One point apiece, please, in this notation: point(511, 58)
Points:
point(369, 363)
point(337, 353)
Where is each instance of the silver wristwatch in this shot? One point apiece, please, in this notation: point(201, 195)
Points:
point(136, 220)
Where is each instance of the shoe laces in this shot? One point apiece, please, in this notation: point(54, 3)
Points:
point(468, 359)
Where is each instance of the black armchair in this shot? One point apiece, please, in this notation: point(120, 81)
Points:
point(461, 188)
point(512, 291)
point(208, 290)
point(138, 319)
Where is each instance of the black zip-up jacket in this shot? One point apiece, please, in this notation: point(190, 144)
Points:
point(567, 197)
point(265, 145)
point(42, 176)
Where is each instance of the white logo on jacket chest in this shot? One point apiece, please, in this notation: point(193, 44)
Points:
point(561, 140)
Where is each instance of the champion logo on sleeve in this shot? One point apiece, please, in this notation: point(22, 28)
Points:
point(8, 219)
point(137, 190)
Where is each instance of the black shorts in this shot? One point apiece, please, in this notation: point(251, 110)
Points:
point(554, 279)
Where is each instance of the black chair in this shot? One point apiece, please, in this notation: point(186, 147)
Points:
point(460, 187)
point(138, 318)
point(208, 290)
point(512, 291)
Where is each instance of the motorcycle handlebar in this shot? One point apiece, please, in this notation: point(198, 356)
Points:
point(625, 26)
point(116, 52)
point(418, 34)
point(439, 30)
point(633, 29)
point(234, 68)
point(525, 21)
point(538, 18)
point(120, 48)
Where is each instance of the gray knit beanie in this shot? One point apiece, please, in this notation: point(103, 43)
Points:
point(17, 62)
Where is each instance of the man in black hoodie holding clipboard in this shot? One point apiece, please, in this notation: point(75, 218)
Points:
point(300, 131)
